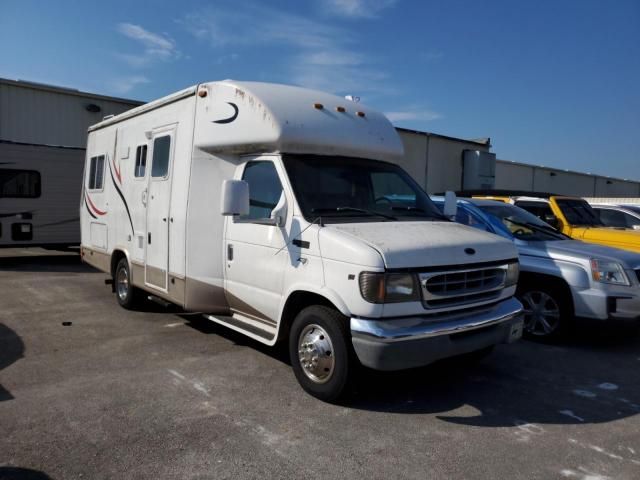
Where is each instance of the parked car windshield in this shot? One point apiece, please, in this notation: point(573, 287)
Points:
point(343, 189)
point(522, 224)
point(579, 212)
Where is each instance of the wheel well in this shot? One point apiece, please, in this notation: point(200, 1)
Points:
point(527, 278)
point(296, 302)
point(116, 256)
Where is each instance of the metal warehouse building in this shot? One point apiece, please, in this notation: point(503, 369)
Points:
point(43, 135)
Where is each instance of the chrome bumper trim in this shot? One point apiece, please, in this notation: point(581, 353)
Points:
point(389, 330)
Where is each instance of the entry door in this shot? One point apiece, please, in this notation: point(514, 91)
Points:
point(158, 204)
point(255, 260)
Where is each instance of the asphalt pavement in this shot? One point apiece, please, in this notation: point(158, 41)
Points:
point(89, 390)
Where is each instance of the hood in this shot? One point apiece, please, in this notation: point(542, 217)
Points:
point(613, 237)
point(574, 249)
point(426, 244)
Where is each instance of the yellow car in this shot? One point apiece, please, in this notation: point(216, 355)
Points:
point(574, 217)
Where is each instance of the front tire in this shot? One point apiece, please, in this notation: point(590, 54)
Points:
point(321, 353)
point(547, 310)
point(126, 294)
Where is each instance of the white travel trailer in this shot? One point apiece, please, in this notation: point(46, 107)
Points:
point(274, 211)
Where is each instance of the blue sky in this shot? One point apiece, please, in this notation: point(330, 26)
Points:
point(553, 83)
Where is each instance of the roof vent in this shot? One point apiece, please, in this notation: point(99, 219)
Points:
point(92, 107)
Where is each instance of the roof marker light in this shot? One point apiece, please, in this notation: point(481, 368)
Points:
point(360, 114)
point(340, 109)
point(319, 106)
point(202, 93)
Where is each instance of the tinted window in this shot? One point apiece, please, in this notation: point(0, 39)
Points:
point(612, 218)
point(96, 173)
point(539, 209)
point(161, 151)
point(467, 218)
point(578, 212)
point(19, 183)
point(141, 161)
point(265, 189)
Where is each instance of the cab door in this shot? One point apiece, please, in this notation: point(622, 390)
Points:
point(255, 257)
point(158, 198)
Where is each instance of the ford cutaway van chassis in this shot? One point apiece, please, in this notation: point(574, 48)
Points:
point(271, 209)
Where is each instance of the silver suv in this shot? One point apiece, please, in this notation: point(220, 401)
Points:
point(560, 279)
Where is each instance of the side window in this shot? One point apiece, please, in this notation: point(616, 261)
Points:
point(612, 218)
point(161, 152)
point(141, 161)
point(632, 221)
point(19, 183)
point(467, 218)
point(265, 189)
point(96, 173)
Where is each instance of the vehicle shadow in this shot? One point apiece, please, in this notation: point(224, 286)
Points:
point(584, 380)
point(11, 350)
point(17, 473)
point(45, 263)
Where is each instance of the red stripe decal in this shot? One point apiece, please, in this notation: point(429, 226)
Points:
point(93, 207)
point(115, 168)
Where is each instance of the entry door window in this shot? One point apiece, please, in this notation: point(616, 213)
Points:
point(265, 189)
point(161, 153)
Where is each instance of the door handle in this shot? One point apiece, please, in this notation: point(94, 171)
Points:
point(229, 252)
point(149, 238)
point(164, 219)
point(144, 197)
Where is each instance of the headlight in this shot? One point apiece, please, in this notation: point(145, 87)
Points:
point(513, 271)
point(388, 287)
point(606, 271)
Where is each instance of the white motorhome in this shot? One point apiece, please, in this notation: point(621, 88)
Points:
point(275, 211)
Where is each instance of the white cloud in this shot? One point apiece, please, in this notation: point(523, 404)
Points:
point(124, 85)
point(312, 53)
point(415, 114)
point(357, 8)
point(155, 46)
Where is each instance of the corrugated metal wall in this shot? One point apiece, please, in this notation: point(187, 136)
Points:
point(519, 176)
point(46, 116)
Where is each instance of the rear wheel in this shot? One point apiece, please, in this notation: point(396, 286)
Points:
point(547, 309)
point(126, 293)
point(320, 352)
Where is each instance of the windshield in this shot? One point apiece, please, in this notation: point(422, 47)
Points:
point(343, 189)
point(579, 212)
point(522, 224)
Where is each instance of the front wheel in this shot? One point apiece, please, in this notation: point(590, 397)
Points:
point(126, 293)
point(546, 310)
point(320, 352)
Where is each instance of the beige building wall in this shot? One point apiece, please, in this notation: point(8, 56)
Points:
point(46, 115)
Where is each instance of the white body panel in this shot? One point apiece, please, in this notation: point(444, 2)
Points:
point(242, 273)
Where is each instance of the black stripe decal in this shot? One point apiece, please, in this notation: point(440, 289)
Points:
point(122, 197)
point(88, 209)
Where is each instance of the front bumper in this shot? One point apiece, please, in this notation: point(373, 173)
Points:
point(616, 303)
point(407, 342)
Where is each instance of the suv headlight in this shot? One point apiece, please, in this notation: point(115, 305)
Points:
point(388, 287)
point(513, 271)
point(606, 271)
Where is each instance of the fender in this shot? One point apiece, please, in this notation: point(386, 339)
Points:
point(573, 274)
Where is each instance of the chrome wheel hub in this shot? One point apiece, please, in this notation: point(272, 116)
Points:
point(315, 353)
point(122, 283)
point(541, 313)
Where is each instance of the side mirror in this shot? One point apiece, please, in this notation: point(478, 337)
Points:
point(636, 227)
point(450, 205)
point(551, 220)
point(279, 212)
point(234, 199)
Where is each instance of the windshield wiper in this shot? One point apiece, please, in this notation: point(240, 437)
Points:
point(540, 228)
point(354, 209)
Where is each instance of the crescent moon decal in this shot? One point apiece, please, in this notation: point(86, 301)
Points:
point(232, 117)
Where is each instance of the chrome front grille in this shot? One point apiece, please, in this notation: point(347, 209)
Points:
point(462, 287)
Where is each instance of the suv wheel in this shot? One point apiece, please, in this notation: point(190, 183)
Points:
point(546, 311)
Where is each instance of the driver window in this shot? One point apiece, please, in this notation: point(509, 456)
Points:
point(265, 189)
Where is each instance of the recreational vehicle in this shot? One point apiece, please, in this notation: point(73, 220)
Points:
point(278, 212)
